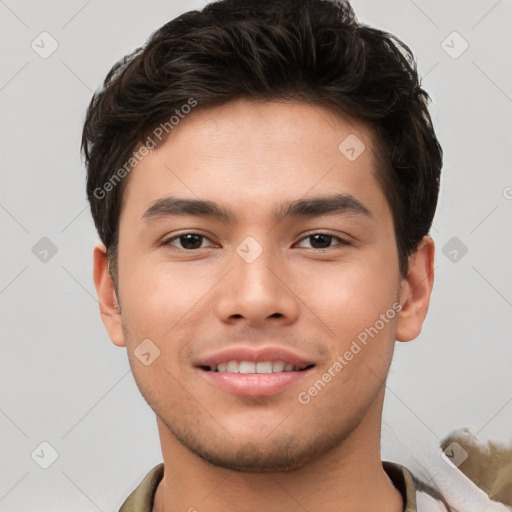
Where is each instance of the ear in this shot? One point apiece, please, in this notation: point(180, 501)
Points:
point(415, 291)
point(110, 314)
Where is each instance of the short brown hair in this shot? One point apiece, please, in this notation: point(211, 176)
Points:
point(314, 51)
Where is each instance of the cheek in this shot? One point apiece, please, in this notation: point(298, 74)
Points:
point(158, 298)
point(348, 297)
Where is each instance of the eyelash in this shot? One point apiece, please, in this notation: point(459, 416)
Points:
point(341, 241)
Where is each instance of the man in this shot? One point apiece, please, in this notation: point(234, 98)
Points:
point(263, 176)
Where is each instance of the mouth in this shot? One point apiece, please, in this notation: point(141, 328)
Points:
point(254, 371)
point(251, 367)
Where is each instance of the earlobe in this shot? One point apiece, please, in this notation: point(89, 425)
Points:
point(105, 289)
point(416, 290)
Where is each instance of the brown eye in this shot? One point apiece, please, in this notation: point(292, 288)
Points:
point(187, 241)
point(323, 240)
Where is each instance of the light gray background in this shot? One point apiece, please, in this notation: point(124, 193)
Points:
point(63, 382)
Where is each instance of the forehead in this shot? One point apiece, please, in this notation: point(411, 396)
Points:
point(246, 153)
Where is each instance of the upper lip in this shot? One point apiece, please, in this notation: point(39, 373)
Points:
point(253, 354)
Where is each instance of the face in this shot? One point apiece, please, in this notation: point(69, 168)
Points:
point(271, 310)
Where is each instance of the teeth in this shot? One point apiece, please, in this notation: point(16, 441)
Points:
point(264, 367)
point(251, 367)
point(247, 367)
point(232, 367)
point(278, 366)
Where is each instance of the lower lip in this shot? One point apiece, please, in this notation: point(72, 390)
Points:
point(254, 384)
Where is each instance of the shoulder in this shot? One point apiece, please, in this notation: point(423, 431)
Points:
point(141, 499)
point(418, 496)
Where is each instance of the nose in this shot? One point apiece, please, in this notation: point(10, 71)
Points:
point(257, 293)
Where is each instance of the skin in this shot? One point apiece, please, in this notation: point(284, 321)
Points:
point(226, 452)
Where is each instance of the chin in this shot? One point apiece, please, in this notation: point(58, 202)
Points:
point(251, 458)
point(281, 452)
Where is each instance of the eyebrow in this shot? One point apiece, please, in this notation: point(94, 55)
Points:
point(328, 205)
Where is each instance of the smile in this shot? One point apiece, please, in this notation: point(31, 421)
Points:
point(253, 367)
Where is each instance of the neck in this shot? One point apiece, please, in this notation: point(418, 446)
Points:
point(348, 478)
